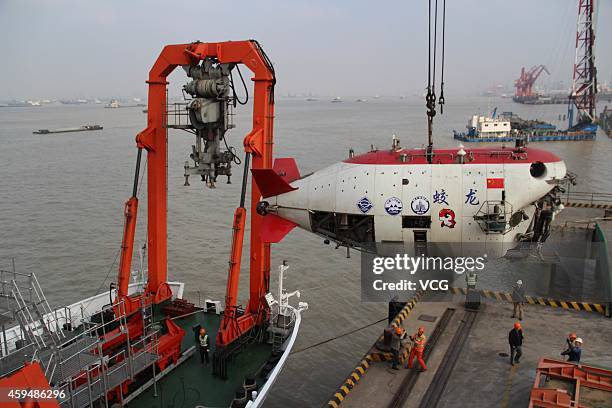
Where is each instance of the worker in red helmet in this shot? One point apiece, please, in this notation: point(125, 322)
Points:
point(397, 336)
point(418, 346)
point(515, 339)
point(204, 345)
point(571, 338)
point(574, 344)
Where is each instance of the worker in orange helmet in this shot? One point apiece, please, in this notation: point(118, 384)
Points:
point(571, 343)
point(204, 345)
point(397, 336)
point(571, 338)
point(418, 340)
point(515, 339)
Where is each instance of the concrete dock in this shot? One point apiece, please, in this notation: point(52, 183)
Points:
point(482, 375)
point(468, 358)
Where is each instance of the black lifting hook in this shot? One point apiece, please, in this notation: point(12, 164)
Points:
point(441, 99)
point(430, 103)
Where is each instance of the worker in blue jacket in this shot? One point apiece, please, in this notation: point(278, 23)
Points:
point(575, 351)
point(515, 339)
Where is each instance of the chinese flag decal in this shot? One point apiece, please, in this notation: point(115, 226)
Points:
point(495, 183)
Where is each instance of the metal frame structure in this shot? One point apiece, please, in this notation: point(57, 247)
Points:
point(257, 143)
point(577, 375)
point(524, 84)
point(584, 86)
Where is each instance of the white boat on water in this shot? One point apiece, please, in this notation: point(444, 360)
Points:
point(486, 128)
point(114, 103)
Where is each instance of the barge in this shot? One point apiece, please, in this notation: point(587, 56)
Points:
point(508, 127)
point(83, 128)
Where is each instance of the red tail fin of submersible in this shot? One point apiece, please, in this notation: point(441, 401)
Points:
point(270, 183)
point(275, 228)
point(286, 168)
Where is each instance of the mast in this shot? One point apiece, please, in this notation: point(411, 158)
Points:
point(584, 85)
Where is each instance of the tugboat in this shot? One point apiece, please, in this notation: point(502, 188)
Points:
point(134, 344)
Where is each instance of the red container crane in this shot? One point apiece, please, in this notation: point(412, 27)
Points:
point(524, 84)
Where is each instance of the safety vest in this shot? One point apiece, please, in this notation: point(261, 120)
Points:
point(471, 278)
point(419, 342)
point(204, 340)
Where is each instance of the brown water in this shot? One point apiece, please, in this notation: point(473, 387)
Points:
point(61, 200)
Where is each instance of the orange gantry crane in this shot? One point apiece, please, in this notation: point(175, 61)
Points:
point(217, 60)
point(524, 84)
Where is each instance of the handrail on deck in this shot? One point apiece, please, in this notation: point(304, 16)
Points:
point(585, 196)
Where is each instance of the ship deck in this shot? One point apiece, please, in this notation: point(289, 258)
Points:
point(192, 383)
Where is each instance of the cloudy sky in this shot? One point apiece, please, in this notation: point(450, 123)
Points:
point(68, 49)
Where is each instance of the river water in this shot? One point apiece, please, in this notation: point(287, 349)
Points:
point(61, 200)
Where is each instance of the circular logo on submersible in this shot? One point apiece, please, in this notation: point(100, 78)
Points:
point(419, 205)
point(393, 206)
point(364, 205)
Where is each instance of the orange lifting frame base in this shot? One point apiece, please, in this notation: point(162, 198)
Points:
point(583, 376)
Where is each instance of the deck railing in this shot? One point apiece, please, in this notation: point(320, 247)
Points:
point(586, 197)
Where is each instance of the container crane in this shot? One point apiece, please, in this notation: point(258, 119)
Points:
point(524, 84)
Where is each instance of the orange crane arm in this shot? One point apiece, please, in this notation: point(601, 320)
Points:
point(129, 229)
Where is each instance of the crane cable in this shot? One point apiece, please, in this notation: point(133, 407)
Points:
point(441, 99)
point(430, 99)
point(339, 336)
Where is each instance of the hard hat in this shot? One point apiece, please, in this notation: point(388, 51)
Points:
point(398, 330)
point(202, 331)
point(421, 330)
point(578, 340)
point(517, 326)
point(572, 336)
point(519, 282)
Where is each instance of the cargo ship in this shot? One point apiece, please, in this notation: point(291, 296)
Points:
point(508, 126)
point(83, 128)
point(141, 343)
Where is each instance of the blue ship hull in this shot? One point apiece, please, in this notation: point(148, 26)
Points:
point(588, 132)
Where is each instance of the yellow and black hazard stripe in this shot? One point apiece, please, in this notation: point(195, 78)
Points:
point(403, 314)
point(568, 305)
point(589, 307)
point(350, 382)
point(589, 205)
point(365, 363)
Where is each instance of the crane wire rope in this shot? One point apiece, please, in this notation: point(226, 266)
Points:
point(430, 99)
